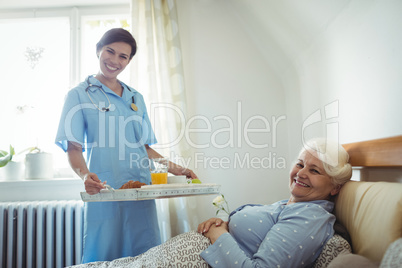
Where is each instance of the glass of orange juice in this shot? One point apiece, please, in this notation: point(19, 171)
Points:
point(159, 170)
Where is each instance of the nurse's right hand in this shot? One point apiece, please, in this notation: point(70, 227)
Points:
point(92, 183)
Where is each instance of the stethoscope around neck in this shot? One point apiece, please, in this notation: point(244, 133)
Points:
point(106, 108)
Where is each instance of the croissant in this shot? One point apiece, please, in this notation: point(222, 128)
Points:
point(132, 184)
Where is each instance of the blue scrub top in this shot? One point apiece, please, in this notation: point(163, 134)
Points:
point(114, 142)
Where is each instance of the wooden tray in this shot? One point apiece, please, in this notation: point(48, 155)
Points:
point(147, 192)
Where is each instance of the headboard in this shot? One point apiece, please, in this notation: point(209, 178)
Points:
point(372, 211)
point(386, 152)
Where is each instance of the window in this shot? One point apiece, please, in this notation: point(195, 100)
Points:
point(45, 53)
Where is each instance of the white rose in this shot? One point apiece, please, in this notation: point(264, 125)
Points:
point(218, 200)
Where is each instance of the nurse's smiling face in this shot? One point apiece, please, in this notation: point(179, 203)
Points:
point(309, 181)
point(113, 59)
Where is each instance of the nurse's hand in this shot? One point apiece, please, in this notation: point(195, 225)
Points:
point(188, 173)
point(92, 183)
point(179, 170)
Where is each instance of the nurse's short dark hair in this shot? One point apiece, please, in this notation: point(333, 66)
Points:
point(117, 35)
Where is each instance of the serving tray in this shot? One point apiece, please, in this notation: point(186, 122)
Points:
point(147, 192)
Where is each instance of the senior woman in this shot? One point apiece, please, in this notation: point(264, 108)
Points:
point(288, 233)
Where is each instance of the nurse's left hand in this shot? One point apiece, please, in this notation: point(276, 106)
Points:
point(179, 170)
point(188, 173)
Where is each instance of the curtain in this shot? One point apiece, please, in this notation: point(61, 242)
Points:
point(157, 72)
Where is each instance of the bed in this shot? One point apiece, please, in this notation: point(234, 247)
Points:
point(372, 211)
point(369, 215)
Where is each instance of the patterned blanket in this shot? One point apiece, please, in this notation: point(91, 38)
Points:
point(180, 251)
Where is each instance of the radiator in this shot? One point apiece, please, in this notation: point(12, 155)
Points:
point(40, 234)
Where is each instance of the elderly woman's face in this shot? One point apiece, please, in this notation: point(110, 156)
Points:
point(309, 181)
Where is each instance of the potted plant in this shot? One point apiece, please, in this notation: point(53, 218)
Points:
point(6, 157)
point(10, 170)
point(38, 164)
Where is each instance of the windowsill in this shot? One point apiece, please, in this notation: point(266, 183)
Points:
point(39, 190)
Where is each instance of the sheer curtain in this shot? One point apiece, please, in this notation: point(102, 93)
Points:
point(157, 72)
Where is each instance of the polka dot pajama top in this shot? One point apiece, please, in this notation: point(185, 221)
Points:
point(276, 235)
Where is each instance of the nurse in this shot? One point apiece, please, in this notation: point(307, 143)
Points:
point(108, 120)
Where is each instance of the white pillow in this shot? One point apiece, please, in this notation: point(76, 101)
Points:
point(335, 246)
point(393, 255)
point(346, 259)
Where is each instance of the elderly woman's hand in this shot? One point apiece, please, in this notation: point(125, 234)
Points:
point(215, 231)
point(204, 226)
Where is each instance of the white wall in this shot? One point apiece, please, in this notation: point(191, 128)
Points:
point(223, 67)
point(291, 58)
point(357, 61)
